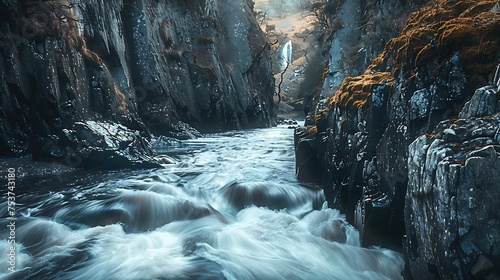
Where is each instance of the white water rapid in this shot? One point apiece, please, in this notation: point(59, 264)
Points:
point(230, 208)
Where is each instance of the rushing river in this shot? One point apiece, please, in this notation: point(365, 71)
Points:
point(230, 208)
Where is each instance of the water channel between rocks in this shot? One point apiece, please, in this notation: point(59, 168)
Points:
point(230, 208)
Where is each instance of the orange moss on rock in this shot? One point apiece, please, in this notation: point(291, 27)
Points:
point(91, 55)
point(122, 104)
point(444, 28)
point(312, 130)
point(355, 91)
point(439, 30)
point(54, 18)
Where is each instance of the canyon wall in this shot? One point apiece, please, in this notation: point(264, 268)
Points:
point(408, 147)
point(166, 68)
point(360, 29)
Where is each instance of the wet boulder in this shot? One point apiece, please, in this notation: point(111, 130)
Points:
point(452, 221)
point(94, 144)
point(183, 131)
point(164, 143)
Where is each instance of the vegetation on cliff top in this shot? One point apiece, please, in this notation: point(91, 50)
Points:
point(431, 37)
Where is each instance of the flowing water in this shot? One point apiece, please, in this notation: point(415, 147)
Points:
point(230, 208)
point(286, 55)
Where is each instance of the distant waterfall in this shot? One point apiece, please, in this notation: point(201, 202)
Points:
point(286, 55)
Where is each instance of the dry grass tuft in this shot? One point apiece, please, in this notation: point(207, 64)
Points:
point(355, 91)
point(121, 97)
point(312, 130)
point(94, 57)
point(209, 72)
point(165, 33)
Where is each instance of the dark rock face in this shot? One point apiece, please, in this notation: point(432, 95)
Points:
point(359, 30)
point(151, 66)
point(206, 63)
point(454, 174)
point(426, 75)
point(306, 165)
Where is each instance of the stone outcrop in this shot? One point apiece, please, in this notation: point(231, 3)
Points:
point(452, 198)
point(151, 66)
point(102, 145)
point(425, 75)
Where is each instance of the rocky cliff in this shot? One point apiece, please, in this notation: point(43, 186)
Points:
point(353, 34)
point(152, 66)
point(360, 29)
point(437, 189)
point(451, 203)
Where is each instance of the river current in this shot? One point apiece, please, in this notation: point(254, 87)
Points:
point(229, 208)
